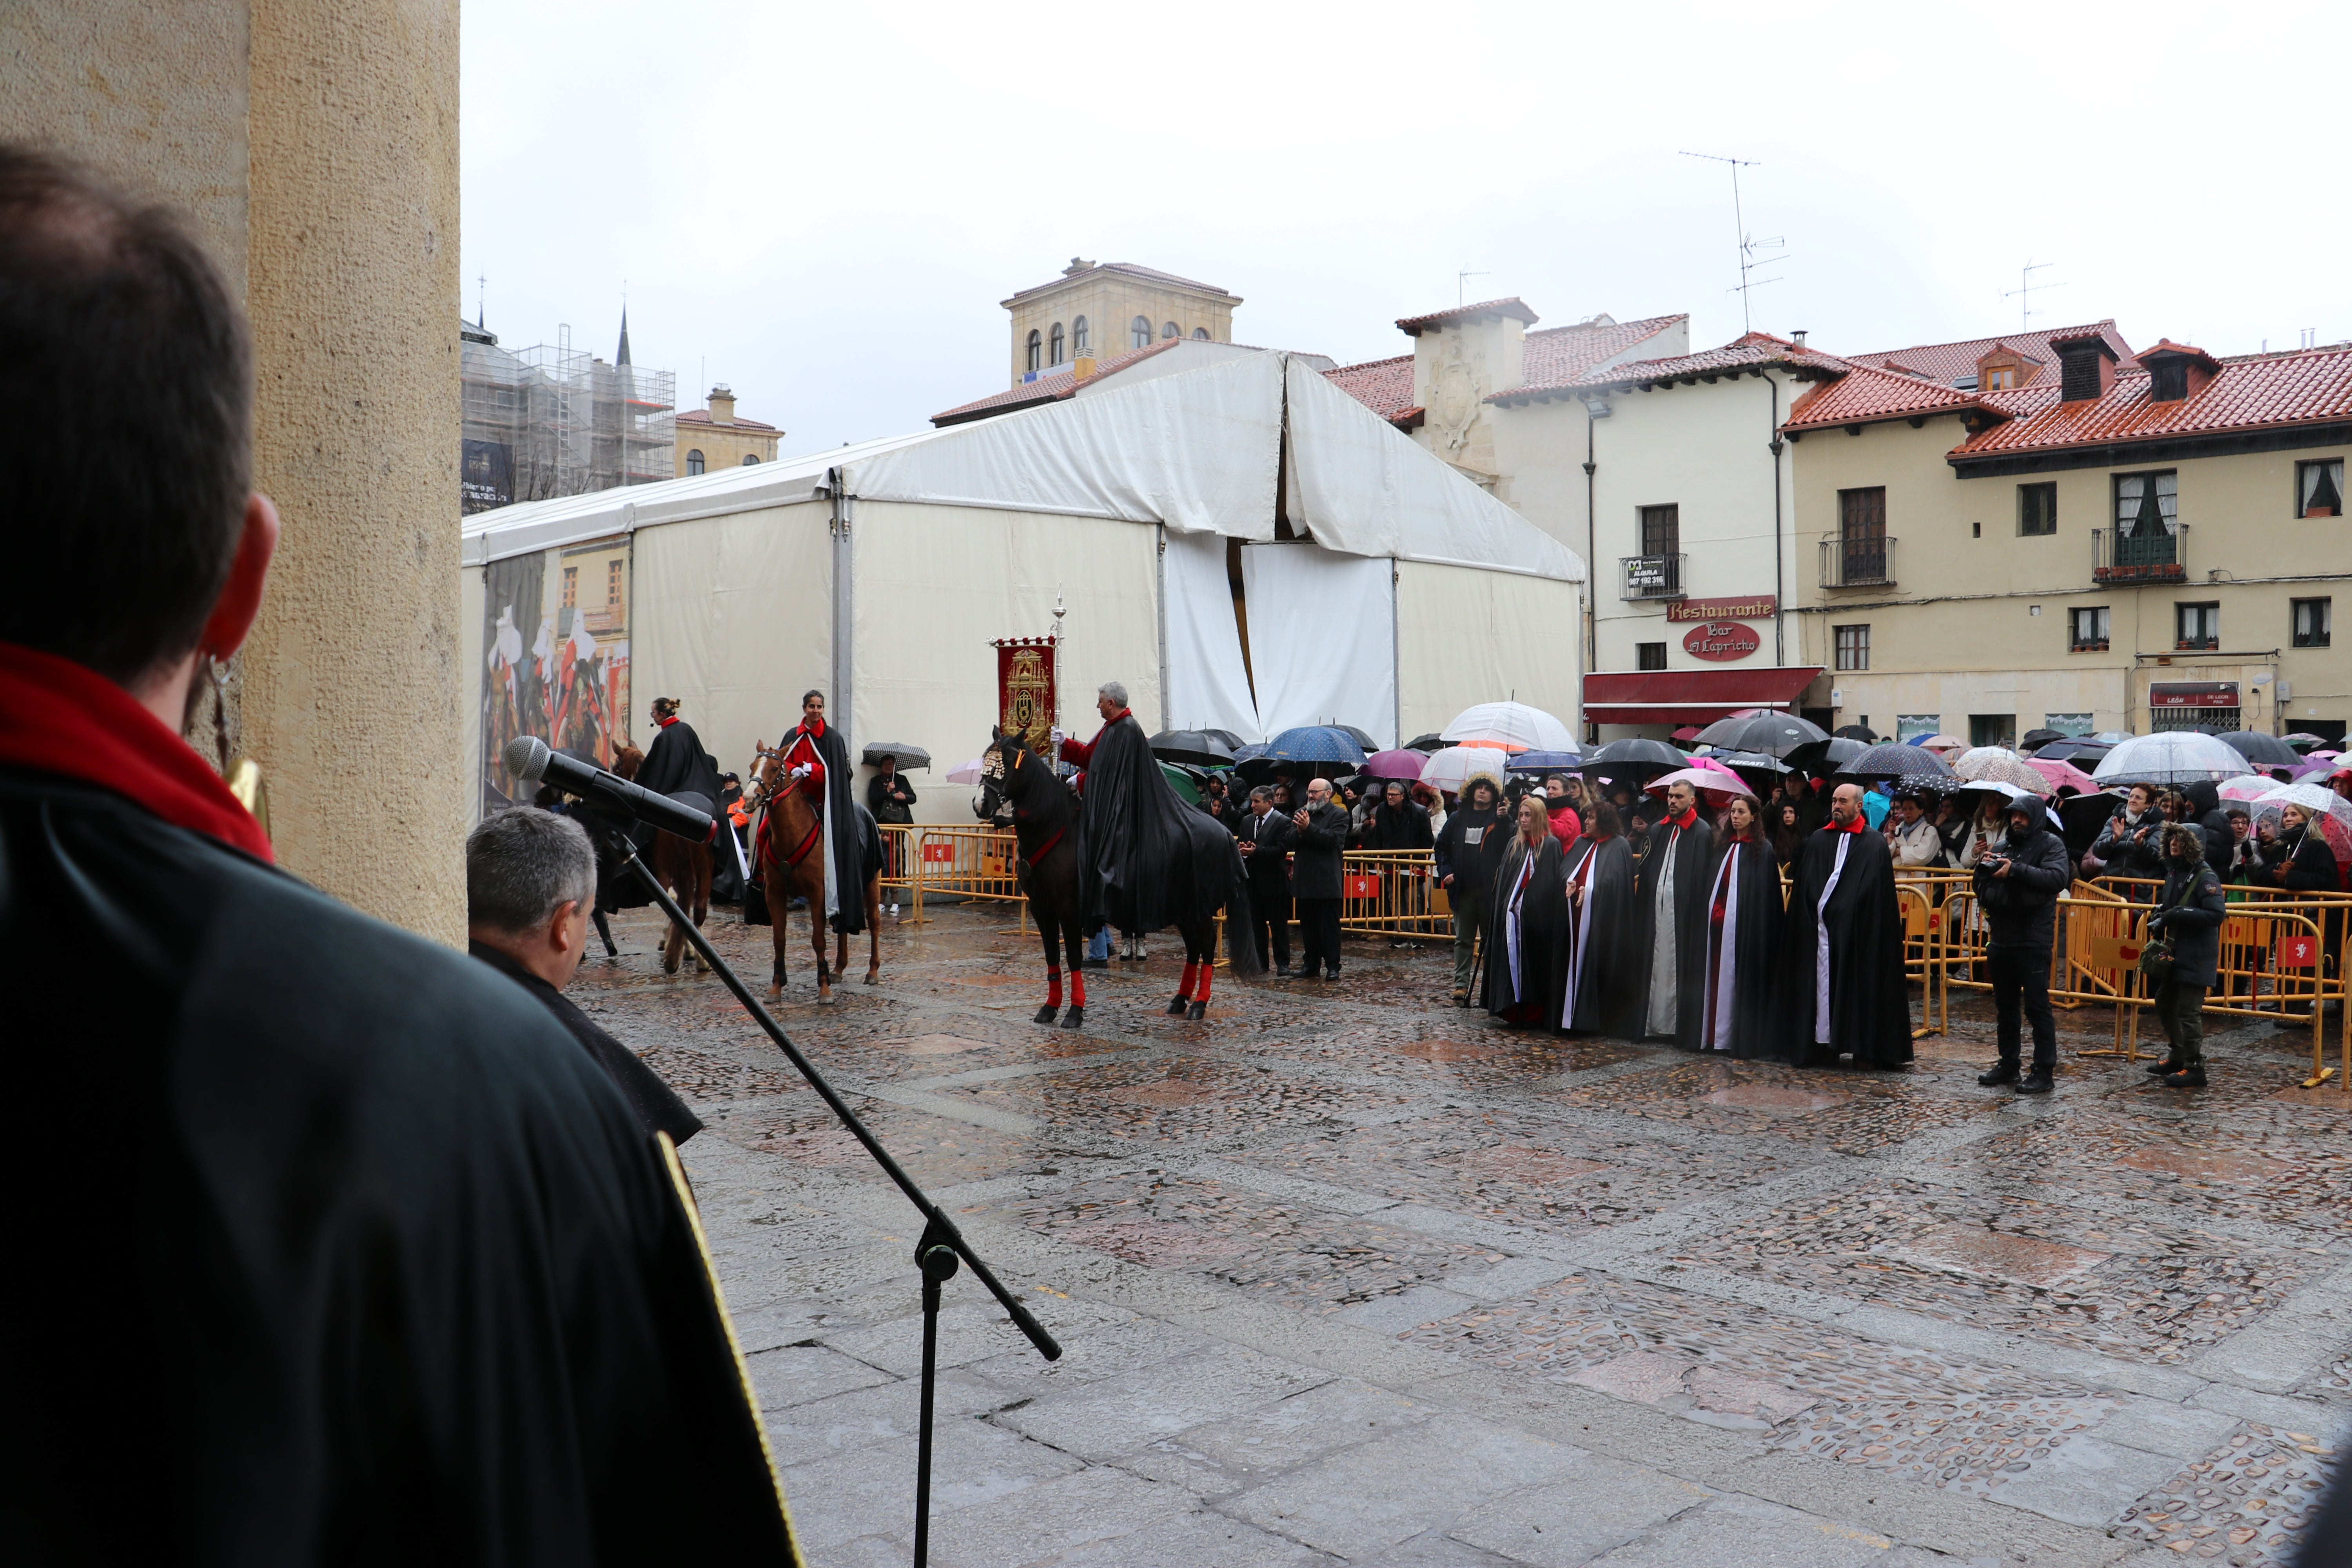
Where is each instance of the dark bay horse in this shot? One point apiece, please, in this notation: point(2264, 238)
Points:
point(683, 869)
point(789, 860)
point(1204, 874)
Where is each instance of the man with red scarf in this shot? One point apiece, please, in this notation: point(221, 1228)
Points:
point(384, 1265)
point(816, 762)
point(1841, 964)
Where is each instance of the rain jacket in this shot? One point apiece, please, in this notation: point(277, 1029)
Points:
point(2195, 926)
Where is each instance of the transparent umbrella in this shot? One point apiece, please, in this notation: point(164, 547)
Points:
point(2170, 757)
point(1993, 763)
point(1448, 769)
point(1509, 726)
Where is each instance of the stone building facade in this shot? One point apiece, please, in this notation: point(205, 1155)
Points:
point(1098, 311)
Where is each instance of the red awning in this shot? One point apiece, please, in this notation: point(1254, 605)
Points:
point(1691, 696)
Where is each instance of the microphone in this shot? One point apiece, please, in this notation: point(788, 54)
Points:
point(530, 759)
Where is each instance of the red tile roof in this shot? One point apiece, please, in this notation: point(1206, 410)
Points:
point(1864, 394)
point(1050, 385)
point(702, 417)
point(1413, 326)
point(2164, 347)
point(2250, 392)
point(1954, 362)
point(1148, 274)
point(1382, 385)
point(1559, 354)
point(1753, 350)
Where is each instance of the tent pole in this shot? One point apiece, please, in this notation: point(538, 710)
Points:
point(1396, 667)
point(844, 602)
point(1160, 562)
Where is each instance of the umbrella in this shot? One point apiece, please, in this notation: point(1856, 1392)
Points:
point(2083, 816)
point(1224, 738)
point(2303, 740)
point(1938, 744)
point(1188, 790)
point(2262, 750)
point(1316, 743)
point(2169, 757)
point(908, 756)
point(2114, 737)
point(1512, 726)
point(1894, 762)
point(1817, 756)
point(1403, 763)
point(1196, 746)
point(1633, 754)
point(1993, 763)
point(1685, 736)
point(2037, 738)
point(967, 772)
point(1715, 784)
point(1546, 762)
point(1971, 793)
point(1761, 771)
point(1430, 742)
point(2063, 775)
point(2334, 811)
point(1243, 754)
point(2074, 749)
point(1358, 736)
point(1855, 732)
point(1761, 730)
point(1452, 768)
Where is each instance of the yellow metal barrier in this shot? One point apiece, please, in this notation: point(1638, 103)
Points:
point(1393, 891)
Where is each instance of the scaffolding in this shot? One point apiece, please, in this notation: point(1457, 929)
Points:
point(552, 420)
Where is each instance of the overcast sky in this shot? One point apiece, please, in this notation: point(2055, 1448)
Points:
point(824, 206)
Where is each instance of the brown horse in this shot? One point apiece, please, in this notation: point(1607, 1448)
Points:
point(682, 869)
point(791, 861)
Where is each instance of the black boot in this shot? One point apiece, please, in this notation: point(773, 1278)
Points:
point(2001, 1073)
point(2172, 1063)
point(2038, 1081)
point(2191, 1075)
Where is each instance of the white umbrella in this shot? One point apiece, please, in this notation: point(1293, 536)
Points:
point(967, 772)
point(2333, 811)
point(1512, 726)
point(1450, 769)
point(2171, 757)
point(1999, 763)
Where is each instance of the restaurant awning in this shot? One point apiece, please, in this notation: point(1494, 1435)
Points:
point(1691, 696)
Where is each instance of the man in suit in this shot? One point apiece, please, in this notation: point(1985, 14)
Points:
point(1315, 878)
point(1265, 840)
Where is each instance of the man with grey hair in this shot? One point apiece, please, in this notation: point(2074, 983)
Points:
point(530, 884)
point(1126, 825)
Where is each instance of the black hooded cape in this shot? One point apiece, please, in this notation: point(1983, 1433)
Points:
point(844, 830)
point(1694, 857)
point(1748, 901)
point(1149, 858)
point(380, 1269)
point(676, 764)
point(1596, 967)
point(1869, 1007)
point(1542, 913)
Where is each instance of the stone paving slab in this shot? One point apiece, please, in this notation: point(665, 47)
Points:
point(1346, 1274)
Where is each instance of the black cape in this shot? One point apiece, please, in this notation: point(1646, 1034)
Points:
point(1597, 987)
point(844, 830)
point(1750, 896)
point(675, 762)
point(1694, 857)
point(379, 1267)
point(1541, 914)
point(658, 1109)
point(1870, 1005)
point(1150, 858)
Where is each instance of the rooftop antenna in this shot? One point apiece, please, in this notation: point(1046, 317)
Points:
point(2023, 292)
point(1461, 286)
point(480, 285)
point(1752, 251)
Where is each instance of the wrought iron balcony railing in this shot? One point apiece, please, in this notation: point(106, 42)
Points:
point(2118, 557)
point(1863, 562)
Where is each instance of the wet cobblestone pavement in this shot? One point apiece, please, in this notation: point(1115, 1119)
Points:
point(1345, 1274)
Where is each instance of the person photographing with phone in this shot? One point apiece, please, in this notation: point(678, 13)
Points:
point(2018, 881)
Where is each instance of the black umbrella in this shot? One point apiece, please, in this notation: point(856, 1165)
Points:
point(1227, 739)
point(1774, 734)
point(2083, 816)
point(1900, 761)
point(1636, 753)
point(1862, 732)
point(2074, 749)
point(2262, 750)
point(2035, 739)
point(1431, 744)
point(1362, 739)
point(1195, 746)
point(908, 756)
point(1823, 756)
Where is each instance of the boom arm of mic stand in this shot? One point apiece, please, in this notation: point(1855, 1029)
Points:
point(939, 1227)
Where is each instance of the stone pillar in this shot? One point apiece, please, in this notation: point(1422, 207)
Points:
point(315, 144)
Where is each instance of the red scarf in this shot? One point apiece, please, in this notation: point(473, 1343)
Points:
point(1833, 825)
point(666, 723)
point(814, 727)
point(1688, 818)
point(60, 716)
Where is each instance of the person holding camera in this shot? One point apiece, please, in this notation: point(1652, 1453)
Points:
point(2184, 952)
point(2017, 885)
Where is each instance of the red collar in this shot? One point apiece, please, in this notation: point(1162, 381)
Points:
point(1122, 713)
point(64, 718)
point(1853, 826)
point(813, 728)
point(666, 723)
point(1688, 818)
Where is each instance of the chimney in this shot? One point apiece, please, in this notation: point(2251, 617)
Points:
point(1798, 337)
point(723, 405)
point(1082, 367)
point(2176, 370)
point(2087, 367)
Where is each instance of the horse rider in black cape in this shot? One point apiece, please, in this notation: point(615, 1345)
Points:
point(1670, 903)
point(816, 762)
point(1130, 824)
point(1841, 973)
point(678, 765)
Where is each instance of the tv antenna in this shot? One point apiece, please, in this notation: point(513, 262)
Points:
point(1753, 252)
point(481, 285)
point(2023, 292)
point(1461, 286)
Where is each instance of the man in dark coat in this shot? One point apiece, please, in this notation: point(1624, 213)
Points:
point(889, 795)
point(530, 880)
point(1843, 963)
point(2017, 887)
point(384, 1269)
point(1133, 827)
point(2190, 911)
point(1264, 837)
point(1467, 851)
point(816, 758)
point(1670, 901)
point(1598, 975)
point(1315, 877)
point(1396, 823)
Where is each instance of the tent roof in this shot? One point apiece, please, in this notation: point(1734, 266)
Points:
point(1199, 451)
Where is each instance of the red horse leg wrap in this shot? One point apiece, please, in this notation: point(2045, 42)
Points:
point(1208, 967)
point(1054, 987)
point(1185, 991)
point(1077, 988)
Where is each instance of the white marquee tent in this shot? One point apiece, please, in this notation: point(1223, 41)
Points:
point(1378, 587)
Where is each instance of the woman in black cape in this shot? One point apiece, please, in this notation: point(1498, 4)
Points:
point(1743, 934)
point(1595, 965)
point(1524, 916)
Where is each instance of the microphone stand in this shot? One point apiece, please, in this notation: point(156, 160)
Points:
point(941, 1244)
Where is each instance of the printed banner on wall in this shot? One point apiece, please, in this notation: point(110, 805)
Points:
point(556, 655)
point(1024, 688)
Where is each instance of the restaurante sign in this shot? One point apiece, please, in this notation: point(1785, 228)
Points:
point(1761, 608)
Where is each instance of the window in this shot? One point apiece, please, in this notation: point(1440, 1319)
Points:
point(1649, 656)
point(1079, 341)
point(750, 459)
point(1862, 536)
point(1138, 334)
point(2067, 723)
point(2196, 625)
point(2319, 488)
point(1202, 333)
point(1992, 730)
point(2037, 509)
point(1171, 331)
point(694, 461)
point(571, 587)
point(1998, 378)
point(1662, 528)
point(1909, 724)
point(2148, 505)
point(613, 584)
point(1036, 350)
point(1054, 348)
point(1853, 647)
point(2086, 629)
point(2313, 621)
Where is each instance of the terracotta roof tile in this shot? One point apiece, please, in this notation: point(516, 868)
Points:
point(1050, 385)
point(1954, 362)
point(1865, 393)
point(1753, 350)
point(1559, 354)
point(1413, 326)
point(1382, 385)
point(2250, 392)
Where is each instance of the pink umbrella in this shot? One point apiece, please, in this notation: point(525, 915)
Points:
point(1698, 762)
point(1405, 765)
point(2061, 774)
point(1717, 784)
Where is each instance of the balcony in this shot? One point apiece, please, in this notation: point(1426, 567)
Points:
point(1653, 576)
point(1863, 562)
point(2139, 558)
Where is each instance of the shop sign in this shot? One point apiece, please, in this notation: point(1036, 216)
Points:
point(1759, 608)
point(1721, 641)
point(2193, 694)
